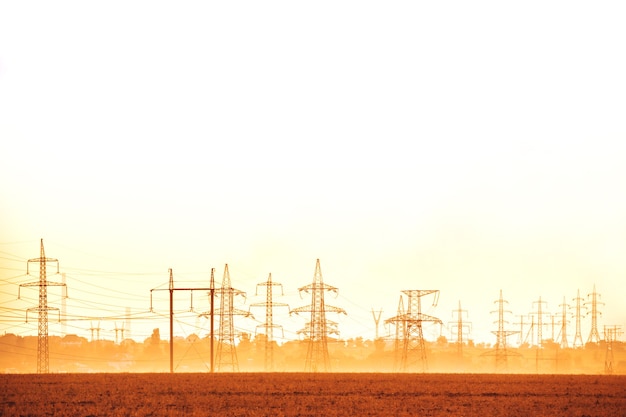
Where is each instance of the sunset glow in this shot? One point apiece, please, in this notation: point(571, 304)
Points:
point(465, 147)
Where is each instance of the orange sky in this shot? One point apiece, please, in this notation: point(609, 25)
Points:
point(461, 147)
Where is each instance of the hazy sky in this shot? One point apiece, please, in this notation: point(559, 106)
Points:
point(462, 146)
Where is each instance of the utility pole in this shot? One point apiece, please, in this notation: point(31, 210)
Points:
point(414, 348)
point(317, 330)
point(594, 335)
point(43, 351)
point(578, 338)
point(171, 290)
point(500, 352)
point(269, 325)
point(211, 316)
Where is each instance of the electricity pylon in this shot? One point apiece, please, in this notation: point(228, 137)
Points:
point(578, 337)
point(400, 332)
point(43, 350)
point(94, 329)
point(539, 347)
point(611, 333)
point(521, 329)
point(318, 329)
point(376, 315)
point(269, 325)
point(594, 335)
point(539, 313)
point(413, 346)
point(120, 330)
point(127, 325)
point(461, 328)
point(500, 352)
point(564, 321)
point(226, 351)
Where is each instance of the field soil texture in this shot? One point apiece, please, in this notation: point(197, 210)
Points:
point(299, 394)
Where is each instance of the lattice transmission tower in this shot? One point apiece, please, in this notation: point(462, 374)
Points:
point(563, 331)
point(269, 325)
point(594, 334)
point(399, 334)
point(461, 328)
point(501, 352)
point(611, 333)
point(318, 329)
point(540, 313)
point(226, 355)
point(578, 336)
point(43, 350)
point(413, 353)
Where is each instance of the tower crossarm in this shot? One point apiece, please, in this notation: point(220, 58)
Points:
point(413, 317)
point(318, 286)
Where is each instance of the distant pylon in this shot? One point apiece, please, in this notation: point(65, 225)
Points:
point(376, 315)
point(64, 306)
point(318, 329)
point(539, 313)
point(539, 347)
point(43, 351)
point(400, 334)
point(119, 330)
point(500, 352)
point(611, 334)
point(521, 329)
point(226, 356)
point(578, 337)
point(564, 321)
point(95, 329)
point(269, 325)
point(413, 346)
point(594, 335)
point(461, 328)
point(127, 325)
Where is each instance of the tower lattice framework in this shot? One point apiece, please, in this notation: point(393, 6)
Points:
point(318, 328)
point(578, 336)
point(226, 355)
point(461, 328)
point(43, 350)
point(269, 325)
point(413, 353)
point(564, 321)
point(594, 334)
point(399, 334)
point(611, 333)
point(501, 352)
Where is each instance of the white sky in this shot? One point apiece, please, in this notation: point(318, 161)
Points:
point(461, 146)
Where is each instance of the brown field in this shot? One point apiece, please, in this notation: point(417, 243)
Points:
point(298, 394)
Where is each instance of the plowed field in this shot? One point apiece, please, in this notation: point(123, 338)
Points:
point(295, 394)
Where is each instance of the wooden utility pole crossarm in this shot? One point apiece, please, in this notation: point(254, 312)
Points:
point(171, 290)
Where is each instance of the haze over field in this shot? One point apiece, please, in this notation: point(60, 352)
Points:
point(463, 146)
